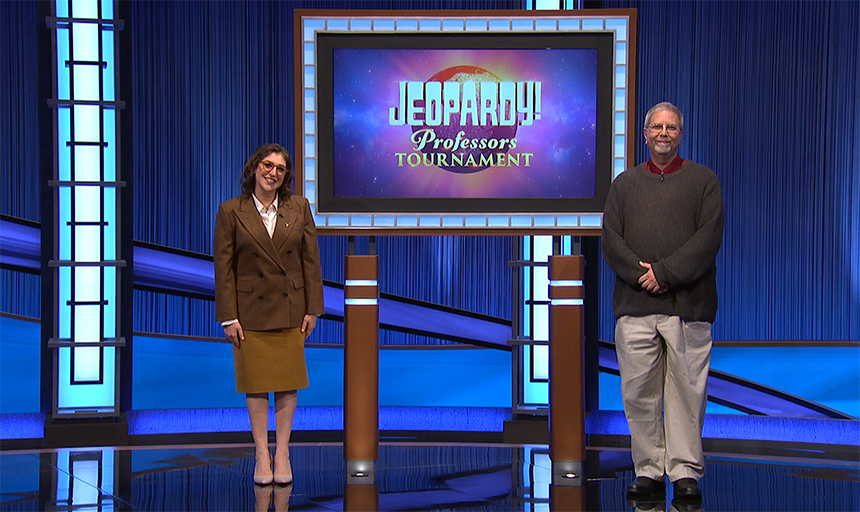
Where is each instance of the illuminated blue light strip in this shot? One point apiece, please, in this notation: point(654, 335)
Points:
point(383, 220)
point(535, 249)
point(362, 220)
point(107, 9)
point(361, 302)
point(543, 248)
point(109, 327)
point(87, 240)
point(572, 282)
point(360, 282)
point(63, 316)
point(540, 366)
point(540, 329)
point(540, 283)
point(566, 302)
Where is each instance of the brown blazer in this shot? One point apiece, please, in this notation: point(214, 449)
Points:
point(267, 283)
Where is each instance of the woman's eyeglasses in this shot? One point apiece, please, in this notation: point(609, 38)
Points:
point(268, 166)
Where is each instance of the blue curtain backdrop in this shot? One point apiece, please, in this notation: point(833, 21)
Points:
point(20, 147)
point(214, 80)
point(771, 103)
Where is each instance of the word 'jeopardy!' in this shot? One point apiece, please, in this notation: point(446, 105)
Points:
point(470, 103)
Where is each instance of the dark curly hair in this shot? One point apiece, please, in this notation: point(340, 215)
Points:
point(249, 180)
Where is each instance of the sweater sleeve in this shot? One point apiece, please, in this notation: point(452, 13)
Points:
point(618, 255)
point(695, 257)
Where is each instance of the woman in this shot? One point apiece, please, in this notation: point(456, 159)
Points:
point(268, 295)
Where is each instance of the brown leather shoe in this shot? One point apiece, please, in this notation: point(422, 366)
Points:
point(644, 486)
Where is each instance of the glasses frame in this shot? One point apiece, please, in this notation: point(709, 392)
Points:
point(268, 166)
point(670, 128)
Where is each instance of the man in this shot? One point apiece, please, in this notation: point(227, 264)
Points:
point(662, 229)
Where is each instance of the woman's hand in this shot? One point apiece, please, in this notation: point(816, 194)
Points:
point(308, 323)
point(234, 333)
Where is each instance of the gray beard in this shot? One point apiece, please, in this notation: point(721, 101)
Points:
point(662, 150)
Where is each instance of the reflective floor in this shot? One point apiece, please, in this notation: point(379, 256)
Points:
point(408, 477)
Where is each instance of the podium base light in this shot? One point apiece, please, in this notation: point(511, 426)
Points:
point(360, 472)
point(567, 473)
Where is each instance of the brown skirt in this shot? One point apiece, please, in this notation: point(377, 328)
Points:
point(270, 361)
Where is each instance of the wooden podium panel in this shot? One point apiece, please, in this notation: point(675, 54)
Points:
point(361, 360)
point(566, 393)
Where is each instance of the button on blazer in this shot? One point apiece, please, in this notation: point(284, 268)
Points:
point(266, 282)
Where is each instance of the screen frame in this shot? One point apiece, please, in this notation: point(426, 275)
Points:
point(307, 23)
point(326, 43)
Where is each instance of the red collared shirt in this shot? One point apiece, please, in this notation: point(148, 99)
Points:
point(673, 166)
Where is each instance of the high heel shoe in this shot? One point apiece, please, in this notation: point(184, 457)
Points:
point(284, 479)
point(265, 478)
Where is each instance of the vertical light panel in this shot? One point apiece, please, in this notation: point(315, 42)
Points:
point(533, 376)
point(74, 468)
point(533, 478)
point(86, 254)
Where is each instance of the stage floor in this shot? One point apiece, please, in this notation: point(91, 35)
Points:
point(455, 477)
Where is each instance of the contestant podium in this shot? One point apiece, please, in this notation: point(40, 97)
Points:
point(566, 393)
point(361, 371)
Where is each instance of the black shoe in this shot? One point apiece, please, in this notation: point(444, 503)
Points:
point(644, 486)
point(687, 488)
point(644, 503)
point(685, 505)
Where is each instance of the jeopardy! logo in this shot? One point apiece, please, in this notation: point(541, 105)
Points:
point(464, 119)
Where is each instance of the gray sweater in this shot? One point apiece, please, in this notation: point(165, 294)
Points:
point(674, 222)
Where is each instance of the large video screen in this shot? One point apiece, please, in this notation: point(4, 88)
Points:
point(516, 122)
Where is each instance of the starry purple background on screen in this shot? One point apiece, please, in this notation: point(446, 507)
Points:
point(561, 141)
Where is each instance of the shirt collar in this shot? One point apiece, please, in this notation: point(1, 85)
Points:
point(673, 166)
point(260, 205)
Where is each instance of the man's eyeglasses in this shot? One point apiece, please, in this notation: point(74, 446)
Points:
point(657, 128)
point(268, 166)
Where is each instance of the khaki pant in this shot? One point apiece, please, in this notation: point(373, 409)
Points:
point(664, 365)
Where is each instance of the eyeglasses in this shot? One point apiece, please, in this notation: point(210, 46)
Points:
point(671, 129)
point(268, 166)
